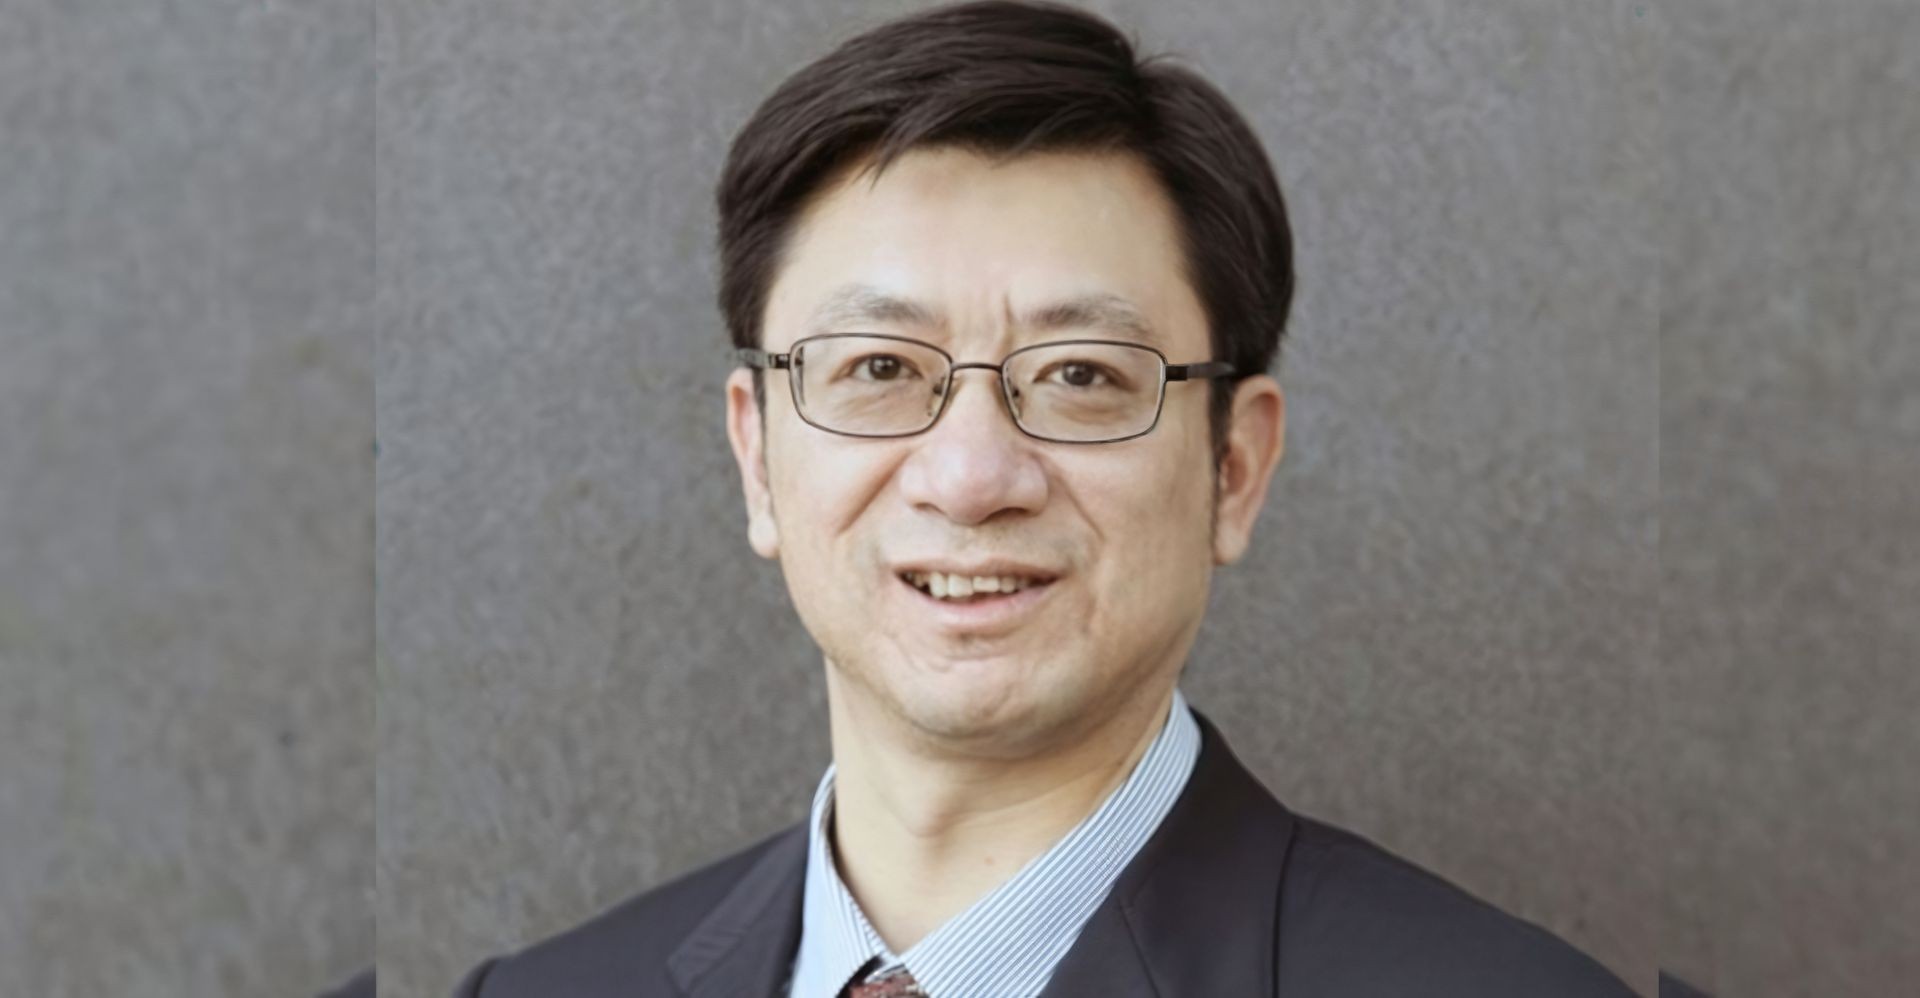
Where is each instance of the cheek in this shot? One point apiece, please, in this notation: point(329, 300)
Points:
point(1180, 520)
point(1153, 522)
point(821, 499)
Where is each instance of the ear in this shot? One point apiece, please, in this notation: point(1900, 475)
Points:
point(744, 431)
point(1256, 437)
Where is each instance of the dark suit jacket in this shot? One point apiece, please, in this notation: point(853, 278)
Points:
point(1234, 895)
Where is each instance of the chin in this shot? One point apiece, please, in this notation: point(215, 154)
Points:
point(985, 710)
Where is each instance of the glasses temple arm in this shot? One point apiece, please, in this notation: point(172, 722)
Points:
point(1193, 372)
point(761, 359)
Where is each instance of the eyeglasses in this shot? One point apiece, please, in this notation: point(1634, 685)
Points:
point(1065, 391)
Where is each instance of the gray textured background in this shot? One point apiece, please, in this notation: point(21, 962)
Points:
point(186, 525)
point(1790, 498)
point(1582, 582)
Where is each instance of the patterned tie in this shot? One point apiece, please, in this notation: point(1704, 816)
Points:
point(898, 984)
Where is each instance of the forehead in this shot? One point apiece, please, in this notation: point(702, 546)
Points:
point(953, 245)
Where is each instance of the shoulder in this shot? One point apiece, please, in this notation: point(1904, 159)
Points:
point(1357, 919)
point(361, 985)
point(623, 947)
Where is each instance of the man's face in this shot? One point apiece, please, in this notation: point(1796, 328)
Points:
point(1123, 528)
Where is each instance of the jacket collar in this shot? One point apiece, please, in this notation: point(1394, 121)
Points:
point(1195, 912)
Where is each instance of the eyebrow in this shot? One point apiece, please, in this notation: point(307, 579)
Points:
point(853, 303)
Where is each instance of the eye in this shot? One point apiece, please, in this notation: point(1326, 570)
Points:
point(1080, 373)
point(880, 367)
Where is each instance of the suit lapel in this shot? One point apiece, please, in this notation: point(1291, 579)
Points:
point(1195, 913)
point(745, 946)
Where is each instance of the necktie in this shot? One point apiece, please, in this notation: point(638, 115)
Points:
point(898, 984)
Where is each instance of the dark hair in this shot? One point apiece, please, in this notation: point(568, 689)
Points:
point(1001, 78)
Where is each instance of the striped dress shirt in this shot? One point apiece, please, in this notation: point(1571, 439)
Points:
point(1007, 943)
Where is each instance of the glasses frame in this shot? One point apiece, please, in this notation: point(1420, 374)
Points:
point(762, 360)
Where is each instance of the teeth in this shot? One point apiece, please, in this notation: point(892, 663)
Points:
point(944, 586)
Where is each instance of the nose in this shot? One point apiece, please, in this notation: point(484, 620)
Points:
point(974, 463)
point(991, 390)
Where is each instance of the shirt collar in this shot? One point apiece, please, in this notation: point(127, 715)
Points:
point(1007, 942)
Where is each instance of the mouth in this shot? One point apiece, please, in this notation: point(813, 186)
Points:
point(969, 589)
point(966, 604)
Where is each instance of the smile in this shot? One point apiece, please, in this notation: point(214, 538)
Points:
point(969, 608)
point(960, 588)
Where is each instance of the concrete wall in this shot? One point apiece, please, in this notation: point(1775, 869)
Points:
point(1790, 498)
point(186, 516)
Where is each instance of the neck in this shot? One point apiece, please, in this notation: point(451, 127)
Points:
point(919, 834)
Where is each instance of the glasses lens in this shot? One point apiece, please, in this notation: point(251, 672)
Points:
point(1085, 391)
point(868, 384)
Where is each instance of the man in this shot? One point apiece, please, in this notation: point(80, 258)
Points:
point(1016, 294)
